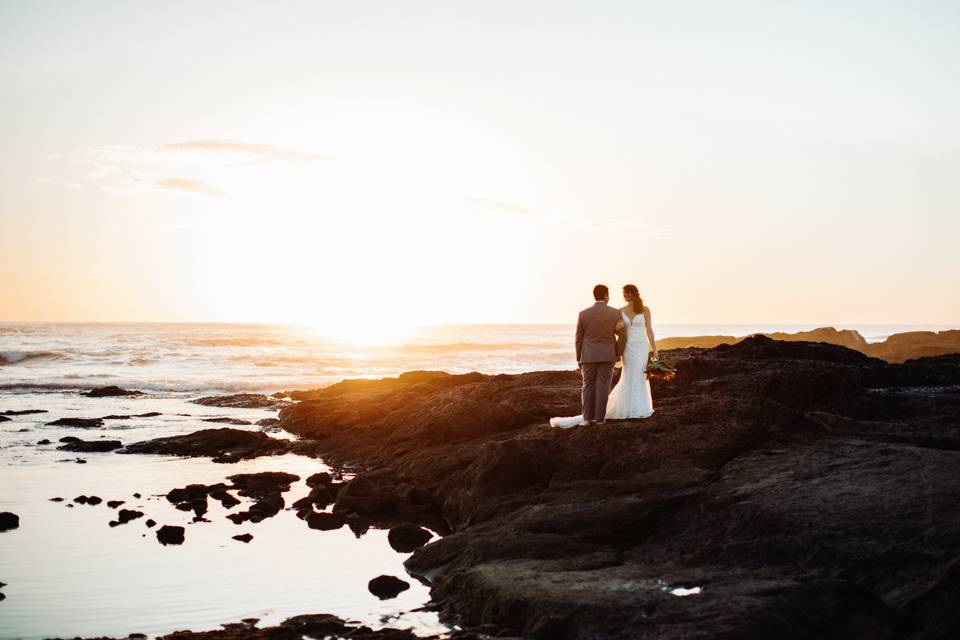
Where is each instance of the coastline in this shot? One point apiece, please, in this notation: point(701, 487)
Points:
point(759, 496)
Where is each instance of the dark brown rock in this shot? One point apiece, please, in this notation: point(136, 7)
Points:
point(386, 587)
point(81, 423)
point(22, 412)
point(225, 420)
point(324, 521)
point(170, 534)
point(113, 504)
point(105, 392)
point(243, 537)
point(92, 446)
point(242, 400)
point(408, 537)
point(8, 521)
point(44, 441)
point(235, 443)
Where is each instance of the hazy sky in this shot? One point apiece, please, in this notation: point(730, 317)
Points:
point(408, 162)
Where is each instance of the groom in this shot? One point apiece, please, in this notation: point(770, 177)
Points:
point(601, 339)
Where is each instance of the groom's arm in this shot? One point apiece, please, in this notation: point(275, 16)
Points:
point(579, 339)
point(621, 331)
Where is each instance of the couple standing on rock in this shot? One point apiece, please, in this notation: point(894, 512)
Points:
point(604, 335)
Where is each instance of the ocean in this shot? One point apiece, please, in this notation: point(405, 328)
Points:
point(68, 573)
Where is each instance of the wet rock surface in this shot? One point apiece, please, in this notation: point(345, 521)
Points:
point(781, 489)
point(221, 444)
point(242, 400)
point(408, 537)
point(91, 446)
point(170, 534)
point(81, 423)
point(21, 412)
point(111, 391)
point(9, 521)
point(385, 587)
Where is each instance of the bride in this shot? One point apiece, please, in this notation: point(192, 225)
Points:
point(631, 397)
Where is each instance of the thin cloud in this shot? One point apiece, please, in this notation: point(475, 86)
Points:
point(261, 152)
point(131, 169)
point(186, 184)
point(501, 207)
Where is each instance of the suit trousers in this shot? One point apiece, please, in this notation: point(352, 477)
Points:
point(597, 377)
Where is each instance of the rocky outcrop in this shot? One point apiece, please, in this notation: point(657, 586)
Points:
point(781, 489)
point(170, 534)
point(81, 423)
point(223, 445)
point(899, 347)
point(91, 446)
point(111, 391)
point(242, 400)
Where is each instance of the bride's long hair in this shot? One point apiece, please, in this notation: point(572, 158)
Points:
point(637, 300)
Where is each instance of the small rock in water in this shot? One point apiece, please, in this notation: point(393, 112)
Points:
point(9, 521)
point(22, 412)
point(324, 521)
point(92, 446)
point(94, 500)
point(113, 504)
point(57, 499)
point(386, 587)
point(81, 499)
point(70, 439)
point(150, 522)
point(4, 419)
point(170, 534)
point(242, 400)
point(136, 495)
point(82, 423)
point(126, 515)
point(2, 597)
point(24, 430)
point(80, 461)
point(44, 441)
point(149, 414)
point(408, 537)
point(243, 537)
point(104, 392)
point(225, 420)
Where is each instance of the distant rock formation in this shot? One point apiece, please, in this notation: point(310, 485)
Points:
point(899, 347)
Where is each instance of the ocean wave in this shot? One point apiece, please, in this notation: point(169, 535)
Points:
point(471, 346)
point(13, 357)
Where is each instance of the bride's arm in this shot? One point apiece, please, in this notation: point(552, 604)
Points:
point(648, 324)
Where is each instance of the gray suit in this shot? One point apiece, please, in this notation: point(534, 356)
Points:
point(599, 343)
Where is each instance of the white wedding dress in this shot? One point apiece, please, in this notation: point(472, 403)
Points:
point(631, 397)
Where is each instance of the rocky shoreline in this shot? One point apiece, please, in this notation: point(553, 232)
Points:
point(782, 489)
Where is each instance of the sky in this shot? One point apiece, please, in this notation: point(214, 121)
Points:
point(342, 163)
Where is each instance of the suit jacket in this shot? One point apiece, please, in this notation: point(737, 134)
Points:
point(598, 338)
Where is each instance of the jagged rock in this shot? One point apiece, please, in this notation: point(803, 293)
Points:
point(408, 537)
point(217, 443)
point(243, 537)
point(126, 515)
point(4, 418)
point(224, 420)
point(170, 534)
point(242, 400)
point(8, 521)
point(324, 521)
point(386, 587)
point(150, 522)
point(81, 423)
point(91, 446)
point(104, 392)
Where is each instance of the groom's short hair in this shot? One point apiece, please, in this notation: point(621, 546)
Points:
point(600, 292)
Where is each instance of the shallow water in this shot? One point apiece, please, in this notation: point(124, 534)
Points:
point(69, 573)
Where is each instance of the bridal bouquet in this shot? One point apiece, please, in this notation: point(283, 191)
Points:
point(659, 370)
